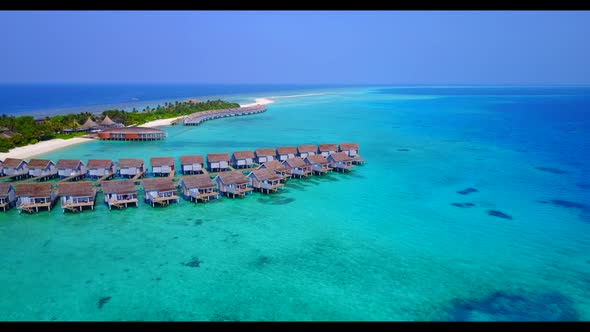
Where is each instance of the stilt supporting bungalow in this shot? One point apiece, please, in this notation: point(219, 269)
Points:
point(217, 162)
point(34, 196)
point(101, 169)
point(265, 181)
point(319, 165)
point(119, 193)
point(162, 166)
point(286, 152)
point(198, 188)
point(131, 168)
point(306, 150)
point(277, 167)
point(192, 164)
point(242, 159)
point(42, 169)
point(340, 162)
point(15, 169)
point(7, 196)
point(70, 169)
point(352, 150)
point(75, 196)
point(233, 184)
point(159, 191)
point(327, 149)
point(296, 167)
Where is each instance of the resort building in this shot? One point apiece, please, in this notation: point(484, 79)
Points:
point(13, 167)
point(296, 167)
point(98, 168)
point(162, 166)
point(32, 196)
point(306, 150)
point(340, 161)
point(277, 167)
point(89, 125)
point(131, 168)
point(71, 168)
point(192, 164)
point(327, 149)
point(7, 196)
point(232, 183)
point(286, 152)
point(42, 169)
point(318, 163)
point(132, 134)
point(265, 180)
point(218, 161)
point(264, 155)
point(242, 159)
point(119, 193)
point(198, 187)
point(159, 191)
point(75, 196)
point(107, 123)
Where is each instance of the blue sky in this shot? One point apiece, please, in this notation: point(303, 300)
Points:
point(316, 47)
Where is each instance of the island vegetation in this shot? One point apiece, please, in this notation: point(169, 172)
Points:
point(24, 130)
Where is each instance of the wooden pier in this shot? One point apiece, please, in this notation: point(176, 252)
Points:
point(198, 118)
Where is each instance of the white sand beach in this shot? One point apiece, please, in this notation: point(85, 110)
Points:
point(28, 151)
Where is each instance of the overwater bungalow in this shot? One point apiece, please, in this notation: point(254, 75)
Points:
point(7, 196)
point(129, 167)
point(75, 196)
point(327, 149)
point(42, 169)
point(242, 159)
point(296, 167)
point(232, 184)
point(286, 152)
point(71, 168)
point(264, 155)
point(1, 168)
point(318, 163)
point(30, 197)
point(340, 161)
point(277, 167)
point(17, 168)
point(162, 166)
point(352, 150)
point(198, 187)
point(192, 164)
point(217, 162)
point(132, 134)
point(98, 168)
point(306, 150)
point(159, 191)
point(119, 193)
point(265, 180)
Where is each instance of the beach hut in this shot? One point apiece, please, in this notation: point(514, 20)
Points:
point(107, 122)
point(159, 191)
point(131, 168)
point(42, 169)
point(318, 163)
point(340, 161)
point(98, 168)
point(32, 196)
point(265, 180)
point(232, 183)
point(277, 167)
point(296, 167)
point(306, 150)
point(89, 125)
point(191, 164)
point(75, 196)
point(286, 152)
point(217, 161)
point(264, 155)
point(198, 187)
point(327, 149)
point(119, 193)
point(14, 167)
point(242, 159)
point(7, 196)
point(70, 168)
point(162, 166)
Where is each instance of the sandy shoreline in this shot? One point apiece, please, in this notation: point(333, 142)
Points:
point(26, 152)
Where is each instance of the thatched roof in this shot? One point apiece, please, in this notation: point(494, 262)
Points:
point(339, 156)
point(34, 189)
point(78, 189)
point(307, 148)
point(4, 187)
point(328, 147)
point(158, 184)
point(107, 121)
point(316, 159)
point(274, 165)
point(68, 163)
point(188, 160)
point(12, 162)
point(295, 162)
point(118, 187)
point(217, 157)
point(286, 150)
point(99, 163)
point(265, 174)
point(198, 181)
point(39, 163)
point(232, 177)
point(265, 152)
point(130, 162)
point(89, 124)
point(162, 161)
point(348, 146)
point(243, 155)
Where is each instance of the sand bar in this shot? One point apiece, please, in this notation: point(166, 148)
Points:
point(28, 151)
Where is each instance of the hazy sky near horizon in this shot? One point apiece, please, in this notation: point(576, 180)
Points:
point(315, 47)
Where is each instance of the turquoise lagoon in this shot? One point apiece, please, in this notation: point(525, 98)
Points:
point(392, 240)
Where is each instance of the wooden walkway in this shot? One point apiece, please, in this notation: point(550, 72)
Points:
point(41, 177)
point(73, 177)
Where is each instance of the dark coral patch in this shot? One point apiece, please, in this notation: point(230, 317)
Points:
point(403, 149)
point(463, 205)
point(552, 170)
point(567, 204)
point(103, 301)
point(583, 185)
point(467, 191)
point(502, 306)
point(198, 222)
point(499, 214)
point(262, 261)
point(276, 200)
point(194, 262)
